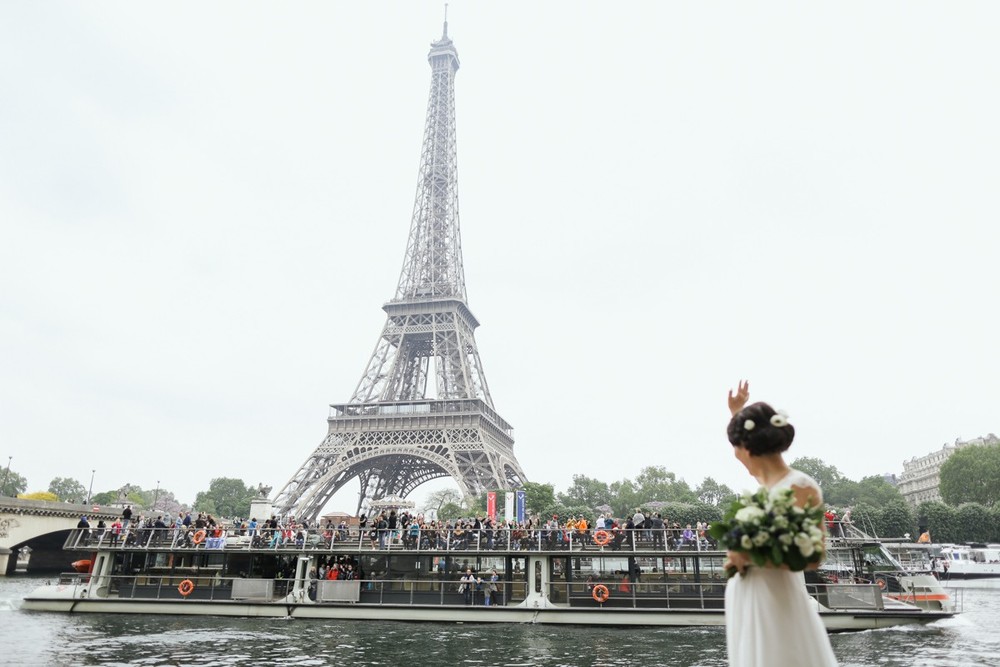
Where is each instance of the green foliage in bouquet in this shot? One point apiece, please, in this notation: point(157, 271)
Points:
point(772, 530)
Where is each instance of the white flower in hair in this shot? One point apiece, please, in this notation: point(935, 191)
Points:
point(779, 419)
point(748, 425)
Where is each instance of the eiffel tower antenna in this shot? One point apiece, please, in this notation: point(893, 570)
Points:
point(394, 435)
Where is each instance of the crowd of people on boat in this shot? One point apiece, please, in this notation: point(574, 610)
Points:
point(385, 529)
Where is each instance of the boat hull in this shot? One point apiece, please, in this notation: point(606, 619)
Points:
point(834, 621)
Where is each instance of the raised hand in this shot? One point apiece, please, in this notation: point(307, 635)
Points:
point(737, 402)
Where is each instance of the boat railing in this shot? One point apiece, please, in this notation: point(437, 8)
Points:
point(848, 596)
point(403, 539)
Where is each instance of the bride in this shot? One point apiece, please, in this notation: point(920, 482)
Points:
point(770, 618)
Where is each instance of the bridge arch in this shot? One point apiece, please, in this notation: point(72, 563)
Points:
point(43, 526)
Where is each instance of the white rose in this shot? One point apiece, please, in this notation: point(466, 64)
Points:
point(798, 510)
point(760, 539)
point(781, 521)
point(746, 542)
point(750, 514)
point(804, 544)
point(785, 539)
point(778, 494)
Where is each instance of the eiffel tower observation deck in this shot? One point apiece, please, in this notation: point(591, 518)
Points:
point(394, 434)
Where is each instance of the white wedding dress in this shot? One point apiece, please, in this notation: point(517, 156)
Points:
point(770, 619)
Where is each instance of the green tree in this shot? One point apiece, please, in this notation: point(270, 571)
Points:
point(438, 499)
point(867, 518)
point(586, 492)
point(451, 510)
point(229, 497)
point(711, 492)
point(13, 483)
point(68, 489)
point(624, 497)
point(972, 475)
point(896, 520)
point(841, 493)
point(104, 497)
point(993, 519)
point(971, 523)
point(874, 490)
point(939, 519)
point(539, 499)
point(206, 505)
point(825, 475)
point(657, 483)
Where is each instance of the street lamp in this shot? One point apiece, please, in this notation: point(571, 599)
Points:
point(91, 489)
point(156, 496)
point(5, 476)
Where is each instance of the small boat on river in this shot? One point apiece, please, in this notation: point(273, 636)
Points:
point(540, 577)
point(952, 562)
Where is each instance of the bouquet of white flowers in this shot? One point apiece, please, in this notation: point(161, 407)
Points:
point(771, 529)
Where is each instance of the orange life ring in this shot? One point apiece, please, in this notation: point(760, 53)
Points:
point(602, 537)
point(601, 593)
point(199, 537)
point(185, 587)
point(881, 582)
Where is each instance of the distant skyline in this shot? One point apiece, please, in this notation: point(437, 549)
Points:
point(204, 207)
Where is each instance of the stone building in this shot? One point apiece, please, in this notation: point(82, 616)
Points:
point(921, 475)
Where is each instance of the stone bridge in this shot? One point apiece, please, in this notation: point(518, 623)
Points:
point(43, 526)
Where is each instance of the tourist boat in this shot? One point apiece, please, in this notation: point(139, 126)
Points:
point(972, 561)
point(598, 579)
point(864, 559)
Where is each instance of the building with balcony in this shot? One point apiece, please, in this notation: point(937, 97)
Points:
point(921, 475)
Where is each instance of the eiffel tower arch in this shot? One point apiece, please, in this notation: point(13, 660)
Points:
point(394, 435)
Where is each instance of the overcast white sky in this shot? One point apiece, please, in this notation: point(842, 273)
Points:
point(203, 207)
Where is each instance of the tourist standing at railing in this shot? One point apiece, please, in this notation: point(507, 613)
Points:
point(467, 586)
point(84, 527)
point(126, 517)
point(630, 532)
point(159, 529)
point(656, 524)
point(638, 520)
point(116, 531)
point(393, 523)
point(382, 526)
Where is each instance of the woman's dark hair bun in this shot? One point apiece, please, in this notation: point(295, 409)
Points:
point(763, 436)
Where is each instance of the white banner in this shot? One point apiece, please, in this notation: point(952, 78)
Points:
point(508, 506)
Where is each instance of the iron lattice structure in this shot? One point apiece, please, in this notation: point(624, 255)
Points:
point(392, 435)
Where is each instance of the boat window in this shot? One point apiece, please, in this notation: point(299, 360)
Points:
point(538, 576)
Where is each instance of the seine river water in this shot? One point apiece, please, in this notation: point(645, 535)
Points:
point(32, 638)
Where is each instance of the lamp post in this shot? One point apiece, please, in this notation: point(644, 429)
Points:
point(156, 496)
point(91, 489)
point(5, 476)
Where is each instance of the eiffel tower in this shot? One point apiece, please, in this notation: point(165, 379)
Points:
point(392, 435)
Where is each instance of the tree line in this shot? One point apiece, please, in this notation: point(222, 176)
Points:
point(225, 496)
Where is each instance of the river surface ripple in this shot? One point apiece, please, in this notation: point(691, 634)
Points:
point(33, 638)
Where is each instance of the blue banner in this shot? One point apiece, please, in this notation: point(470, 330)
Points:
point(520, 500)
